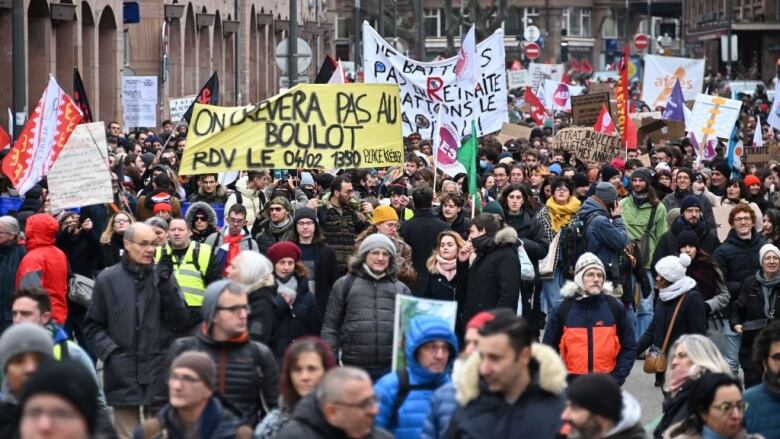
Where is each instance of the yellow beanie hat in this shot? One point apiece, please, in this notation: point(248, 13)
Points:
point(384, 213)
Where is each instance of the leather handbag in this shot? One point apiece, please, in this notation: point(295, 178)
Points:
point(655, 361)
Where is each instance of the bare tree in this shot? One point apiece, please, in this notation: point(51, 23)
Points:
point(487, 18)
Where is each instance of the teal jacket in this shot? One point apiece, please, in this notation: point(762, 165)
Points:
point(636, 218)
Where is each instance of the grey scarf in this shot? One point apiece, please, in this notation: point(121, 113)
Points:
point(767, 287)
point(278, 229)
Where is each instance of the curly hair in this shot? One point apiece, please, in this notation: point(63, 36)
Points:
point(763, 343)
point(741, 208)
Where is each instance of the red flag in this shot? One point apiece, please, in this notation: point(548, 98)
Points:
point(585, 67)
point(626, 125)
point(538, 112)
point(575, 65)
point(5, 139)
point(605, 124)
point(43, 137)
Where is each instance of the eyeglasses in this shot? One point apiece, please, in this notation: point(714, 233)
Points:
point(305, 223)
point(365, 404)
point(56, 416)
point(187, 379)
point(727, 407)
point(121, 221)
point(235, 309)
point(742, 219)
point(562, 189)
point(201, 218)
point(146, 244)
point(236, 221)
point(435, 348)
point(775, 357)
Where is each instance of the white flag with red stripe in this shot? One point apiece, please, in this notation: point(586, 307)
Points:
point(604, 124)
point(467, 69)
point(43, 137)
point(338, 75)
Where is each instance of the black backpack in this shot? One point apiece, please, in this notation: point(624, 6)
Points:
point(404, 388)
point(573, 243)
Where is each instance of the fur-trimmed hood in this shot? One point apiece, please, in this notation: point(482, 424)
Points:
point(211, 214)
point(551, 375)
point(507, 235)
point(570, 289)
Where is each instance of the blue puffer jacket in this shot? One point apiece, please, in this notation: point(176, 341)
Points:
point(763, 413)
point(607, 237)
point(414, 411)
point(443, 404)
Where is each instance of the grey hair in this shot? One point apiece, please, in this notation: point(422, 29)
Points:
point(332, 386)
point(9, 224)
point(254, 270)
point(702, 352)
point(129, 234)
point(158, 222)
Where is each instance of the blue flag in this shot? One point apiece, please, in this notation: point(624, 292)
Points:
point(734, 155)
point(674, 109)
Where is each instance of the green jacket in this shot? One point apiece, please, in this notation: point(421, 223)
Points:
point(636, 218)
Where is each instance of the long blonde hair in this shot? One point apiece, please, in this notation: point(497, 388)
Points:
point(702, 352)
point(105, 238)
point(430, 264)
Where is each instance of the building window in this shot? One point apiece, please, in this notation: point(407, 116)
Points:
point(613, 26)
point(576, 21)
point(344, 28)
point(518, 19)
point(434, 22)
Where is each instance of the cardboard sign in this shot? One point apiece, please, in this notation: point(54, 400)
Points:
point(510, 131)
point(645, 159)
point(587, 145)
point(312, 126)
point(424, 86)
point(721, 214)
point(80, 175)
point(761, 156)
point(586, 108)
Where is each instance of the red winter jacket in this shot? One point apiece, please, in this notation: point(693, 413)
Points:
point(44, 264)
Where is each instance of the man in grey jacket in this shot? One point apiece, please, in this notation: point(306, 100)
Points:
point(127, 329)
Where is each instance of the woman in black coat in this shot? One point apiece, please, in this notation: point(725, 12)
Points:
point(256, 272)
point(112, 239)
point(317, 256)
point(674, 287)
point(448, 267)
point(755, 308)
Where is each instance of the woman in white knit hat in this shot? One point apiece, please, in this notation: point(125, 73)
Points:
point(675, 290)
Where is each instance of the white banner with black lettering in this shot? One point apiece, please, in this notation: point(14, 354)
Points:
point(425, 85)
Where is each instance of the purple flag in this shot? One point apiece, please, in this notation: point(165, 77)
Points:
point(674, 106)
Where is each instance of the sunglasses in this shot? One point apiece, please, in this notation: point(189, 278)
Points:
point(201, 218)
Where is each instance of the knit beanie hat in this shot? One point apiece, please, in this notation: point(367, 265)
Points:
point(585, 262)
point(494, 207)
point(672, 268)
point(555, 168)
point(618, 163)
point(69, 380)
point(607, 172)
point(580, 180)
point(375, 241)
point(663, 168)
point(283, 249)
point(598, 394)
point(767, 248)
point(606, 192)
point(686, 170)
point(307, 179)
point(722, 167)
point(10, 224)
point(198, 362)
point(688, 202)
point(687, 237)
point(162, 207)
point(751, 180)
point(383, 214)
point(646, 174)
point(305, 213)
point(23, 338)
point(147, 158)
point(281, 201)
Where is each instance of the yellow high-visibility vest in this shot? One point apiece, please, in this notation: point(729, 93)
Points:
point(189, 275)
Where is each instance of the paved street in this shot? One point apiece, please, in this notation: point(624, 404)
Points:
point(641, 386)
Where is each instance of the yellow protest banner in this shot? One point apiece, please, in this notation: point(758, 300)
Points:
point(311, 126)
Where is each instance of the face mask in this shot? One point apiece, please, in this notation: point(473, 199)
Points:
point(483, 163)
point(310, 193)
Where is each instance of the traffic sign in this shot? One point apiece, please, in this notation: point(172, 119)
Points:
point(532, 51)
point(532, 33)
point(641, 41)
point(303, 56)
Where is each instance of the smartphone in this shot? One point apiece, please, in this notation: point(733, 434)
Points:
point(281, 174)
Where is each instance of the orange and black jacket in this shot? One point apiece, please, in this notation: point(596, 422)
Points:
point(594, 337)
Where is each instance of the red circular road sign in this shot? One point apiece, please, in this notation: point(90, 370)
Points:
point(641, 41)
point(532, 50)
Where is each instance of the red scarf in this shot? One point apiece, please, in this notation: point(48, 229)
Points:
point(234, 248)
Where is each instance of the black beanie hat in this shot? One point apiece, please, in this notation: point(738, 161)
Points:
point(580, 180)
point(607, 172)
point(722, 167)
point(687, 237)
point(305, 212)
point(597, 393)
point(645, 174)
point(68, 380)
point(686, 170)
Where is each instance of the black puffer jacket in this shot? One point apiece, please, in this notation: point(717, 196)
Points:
point(219, 420)
point(749, 306)
point(299, 320)
point(83, 251)
point(440, 288)
point(493, 278)
point(308, 422)
point(360, 321)
point(247, 374)
point(668, 244)
point(738, 260)
point(262, 319)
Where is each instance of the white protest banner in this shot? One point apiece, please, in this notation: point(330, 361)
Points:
point(661, 72)
point(588, 145)
point(179, 106)
point(139, 99)
point(540, 72)
point(426, 85)
point(409, 307)
point(713, 116)
point(79, 176)
point(555, 95)
point(518, 78)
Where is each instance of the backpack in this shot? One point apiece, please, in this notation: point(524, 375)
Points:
point(615, 306)
point(572, 243)
point(404, 388)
